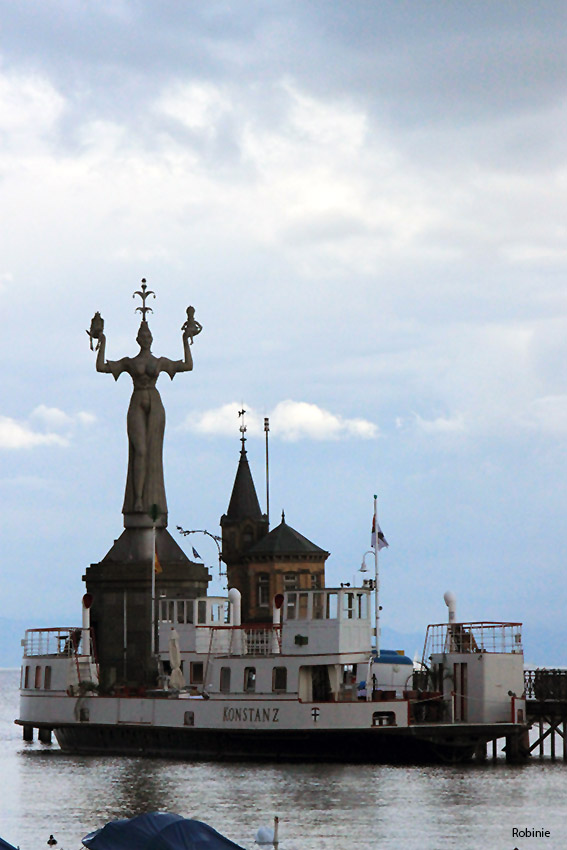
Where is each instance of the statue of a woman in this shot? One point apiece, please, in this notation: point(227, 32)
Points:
point(145, 490)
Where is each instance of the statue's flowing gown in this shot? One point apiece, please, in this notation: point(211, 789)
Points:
point(146, 397)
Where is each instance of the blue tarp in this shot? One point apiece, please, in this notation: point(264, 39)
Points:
point(390, 656)
point(5, 846)
point(158, 831)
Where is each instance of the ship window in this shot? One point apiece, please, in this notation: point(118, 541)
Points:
point(225, 680)
point(263, 589)
point(318, 609)
point(189, 718)
point(47, 678)
point(37, 677)
point(383, 718)
point(279, 679)
point(290, 581)
point(170, 611)
point(202, 611)
point(27, 677)
point(189, 611)
point(181, 612)
point(216, 611)
point(250, 679)
point(302, 608)
point(363, 606)
point(196, 672)
point(349, 674)
point(332, 606)
point(348, 606)
point(291, 604)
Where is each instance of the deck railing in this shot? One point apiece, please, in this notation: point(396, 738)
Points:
point(481, 636)
point(546, 685)
point(253, 640)
point(56, 641)
point(64, 642)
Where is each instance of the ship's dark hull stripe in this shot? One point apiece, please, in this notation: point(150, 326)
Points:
point(352, 746)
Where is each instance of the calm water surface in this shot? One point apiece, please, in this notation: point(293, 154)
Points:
point(320, 806)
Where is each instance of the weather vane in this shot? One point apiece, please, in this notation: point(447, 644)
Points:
point(243, 428)
point(143, 295)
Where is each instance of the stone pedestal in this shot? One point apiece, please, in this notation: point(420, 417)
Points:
point(121, 587)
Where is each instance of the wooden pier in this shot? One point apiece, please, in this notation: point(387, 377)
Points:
point(546, 709)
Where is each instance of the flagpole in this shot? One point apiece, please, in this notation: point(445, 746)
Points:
point(376, 580)
point(153, 641)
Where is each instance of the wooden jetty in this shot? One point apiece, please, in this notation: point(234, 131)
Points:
point(546, 709)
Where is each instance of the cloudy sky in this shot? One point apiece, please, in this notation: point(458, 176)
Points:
point(366, 203)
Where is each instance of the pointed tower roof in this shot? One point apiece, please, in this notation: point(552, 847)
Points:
point(244, 502)
point(285, 540)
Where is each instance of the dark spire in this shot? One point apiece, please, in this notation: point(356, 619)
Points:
point(244, 501)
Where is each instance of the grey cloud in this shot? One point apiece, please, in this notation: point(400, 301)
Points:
point(414, 62)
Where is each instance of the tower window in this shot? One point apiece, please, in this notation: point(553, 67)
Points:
point(290, 581)
point(263, 590)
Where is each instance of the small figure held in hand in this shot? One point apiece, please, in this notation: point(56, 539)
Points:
point(96, 329)
point(191, 327)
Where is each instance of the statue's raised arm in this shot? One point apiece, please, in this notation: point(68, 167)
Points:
point(146, 415)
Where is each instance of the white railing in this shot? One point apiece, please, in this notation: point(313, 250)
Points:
point(57, 641)
point(242, 640)
point(63, 643)
point(472, 637)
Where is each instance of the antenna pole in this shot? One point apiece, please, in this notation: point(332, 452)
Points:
point(267, 430)
point(376, 580)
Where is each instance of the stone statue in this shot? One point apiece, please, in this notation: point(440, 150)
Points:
point(145, 489)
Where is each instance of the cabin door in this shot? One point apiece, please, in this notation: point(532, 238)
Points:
point(461, 691)
point(321, 683)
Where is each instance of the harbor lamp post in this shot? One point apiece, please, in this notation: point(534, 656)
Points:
point(215, 537)
point(364, 569)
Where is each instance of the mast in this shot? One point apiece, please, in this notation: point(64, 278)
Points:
point(377, 542)
point(267, 429)
point(376, 578)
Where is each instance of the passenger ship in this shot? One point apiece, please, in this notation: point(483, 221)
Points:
point(284, 667)
point(307, 686)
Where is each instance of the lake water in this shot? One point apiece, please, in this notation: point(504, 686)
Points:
point(321, 807)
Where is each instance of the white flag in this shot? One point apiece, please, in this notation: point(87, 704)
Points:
point(377, 538)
